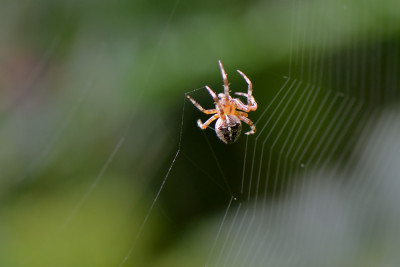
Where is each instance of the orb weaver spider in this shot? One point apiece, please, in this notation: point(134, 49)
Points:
point(228, 111)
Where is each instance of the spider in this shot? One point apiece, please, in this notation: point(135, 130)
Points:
point(227, 110)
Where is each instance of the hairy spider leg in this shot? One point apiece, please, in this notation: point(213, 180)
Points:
point(241, 113)
point(250, 123)
point(251, 103)
point(250, 99)
point(243, 116)
point(210, 120)
point(220, 109)
point(239, 104)
point(224, 78)
point(197, 105)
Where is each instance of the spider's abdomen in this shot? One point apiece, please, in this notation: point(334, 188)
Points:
point(228, 130)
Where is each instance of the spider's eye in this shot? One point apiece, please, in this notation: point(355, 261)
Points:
point(228, 130)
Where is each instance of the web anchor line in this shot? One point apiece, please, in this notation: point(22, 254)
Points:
point(158, 192)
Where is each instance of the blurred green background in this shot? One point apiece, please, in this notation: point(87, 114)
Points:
point(93, 113)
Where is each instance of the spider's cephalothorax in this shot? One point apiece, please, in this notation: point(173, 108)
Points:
point(228, 125)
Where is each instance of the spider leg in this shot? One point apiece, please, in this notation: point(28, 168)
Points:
point(210, 120)
point(239, 104)
point(224, 78)
point(251, 103)
point(241, 113)
point(250, 85)
point(250, 123)
point(197, 105)
point(243, 94)
point(212, 93)
point(216, 100)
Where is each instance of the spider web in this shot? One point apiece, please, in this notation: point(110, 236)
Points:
point(306, 184)
point(317, 185)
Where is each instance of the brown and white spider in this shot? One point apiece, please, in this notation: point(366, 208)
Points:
point(228, 125)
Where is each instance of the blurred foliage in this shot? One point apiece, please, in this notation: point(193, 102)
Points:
point(91, 101)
